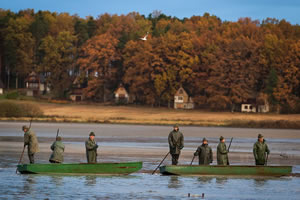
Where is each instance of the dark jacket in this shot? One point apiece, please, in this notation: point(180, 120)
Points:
point(259, 152)
point(57, 155)
point(176, 142)
point(30, 140)
point(204, 154)
point(222, 154)
point(91, 151)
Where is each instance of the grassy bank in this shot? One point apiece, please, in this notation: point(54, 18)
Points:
point(98, 113)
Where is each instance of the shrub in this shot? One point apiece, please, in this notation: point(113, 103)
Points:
point(13, 109)
point(13, 95)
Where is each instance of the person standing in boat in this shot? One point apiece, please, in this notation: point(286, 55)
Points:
point(260, 149)
point(30, 140)
point(91, 149)
point(58, 149)
point(176, 143)
point(222, 153)
point(204, 153)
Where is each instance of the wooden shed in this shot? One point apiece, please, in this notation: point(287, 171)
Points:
point(182, 100)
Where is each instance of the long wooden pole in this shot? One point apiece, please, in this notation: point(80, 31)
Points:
point(229, 144)
point(57, 132)
point(160, 163)
point(267, 159)
point(21, 157)
point(192, 160)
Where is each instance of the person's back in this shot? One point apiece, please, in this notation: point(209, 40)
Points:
point(58, 149)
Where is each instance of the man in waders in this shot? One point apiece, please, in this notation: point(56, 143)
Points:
point(30, 140)
point(176, 141)
point(222, 153)
point(204, 153)
point(91, 149)
point(260, 149)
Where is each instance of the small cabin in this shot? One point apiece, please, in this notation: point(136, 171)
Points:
point(36, 85)
point(121, 95)
point(182, 100)
point(252, 106)
point(77, 93)
point(1, 87)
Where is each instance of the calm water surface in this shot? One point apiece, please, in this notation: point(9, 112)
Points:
point(143, 185)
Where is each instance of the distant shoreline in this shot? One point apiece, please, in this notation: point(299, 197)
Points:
point(138, 115)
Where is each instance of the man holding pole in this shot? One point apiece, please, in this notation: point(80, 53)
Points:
point(91, 149)
point(176, 143)
point(30, 140)
point(260, 148)
point(222, 152)
point(204, 153)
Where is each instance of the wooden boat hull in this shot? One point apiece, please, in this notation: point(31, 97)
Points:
point(81, 168)
point(242, 170)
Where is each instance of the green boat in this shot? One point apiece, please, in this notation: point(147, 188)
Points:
point(81, 168)
point(241, 170)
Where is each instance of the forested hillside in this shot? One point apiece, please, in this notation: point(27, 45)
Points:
point(219, 63)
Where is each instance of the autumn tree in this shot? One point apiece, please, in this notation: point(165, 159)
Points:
point(97, 59)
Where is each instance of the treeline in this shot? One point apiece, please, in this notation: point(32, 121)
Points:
point(219, 63)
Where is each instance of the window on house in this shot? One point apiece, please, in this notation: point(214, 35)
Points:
point(250, 107)
point(245, 107)
point(180, 92)
point(180, 98)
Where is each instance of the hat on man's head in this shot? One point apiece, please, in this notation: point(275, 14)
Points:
point(204, 139)
point(92, 134)
point(260, 136)
point(222, 138)
point(176, 126)
point(58, 138)
point(24, 127)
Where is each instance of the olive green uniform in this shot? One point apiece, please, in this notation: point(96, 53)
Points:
point(222, 154)
point(176, 143)
point(91, 151)
point(204, 153)
point(259, 151)
point(30, 140)
point(58, 149)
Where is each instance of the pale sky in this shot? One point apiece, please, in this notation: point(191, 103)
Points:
point(227, 10)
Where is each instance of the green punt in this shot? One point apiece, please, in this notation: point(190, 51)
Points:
point(241, 170)
point(81, 168)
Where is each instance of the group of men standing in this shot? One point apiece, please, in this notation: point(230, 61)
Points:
point(204, 152)
point(58, 148)
point(176, 144)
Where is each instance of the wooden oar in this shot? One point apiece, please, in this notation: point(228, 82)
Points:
point(192, 160)
point(160, 163)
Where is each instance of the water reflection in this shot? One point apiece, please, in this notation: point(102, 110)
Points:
point(90, 180)
point(260, 182)
point(29, 182)
point(205, 179)
point(57, 180)
point(174, 182)
point(221, 181)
